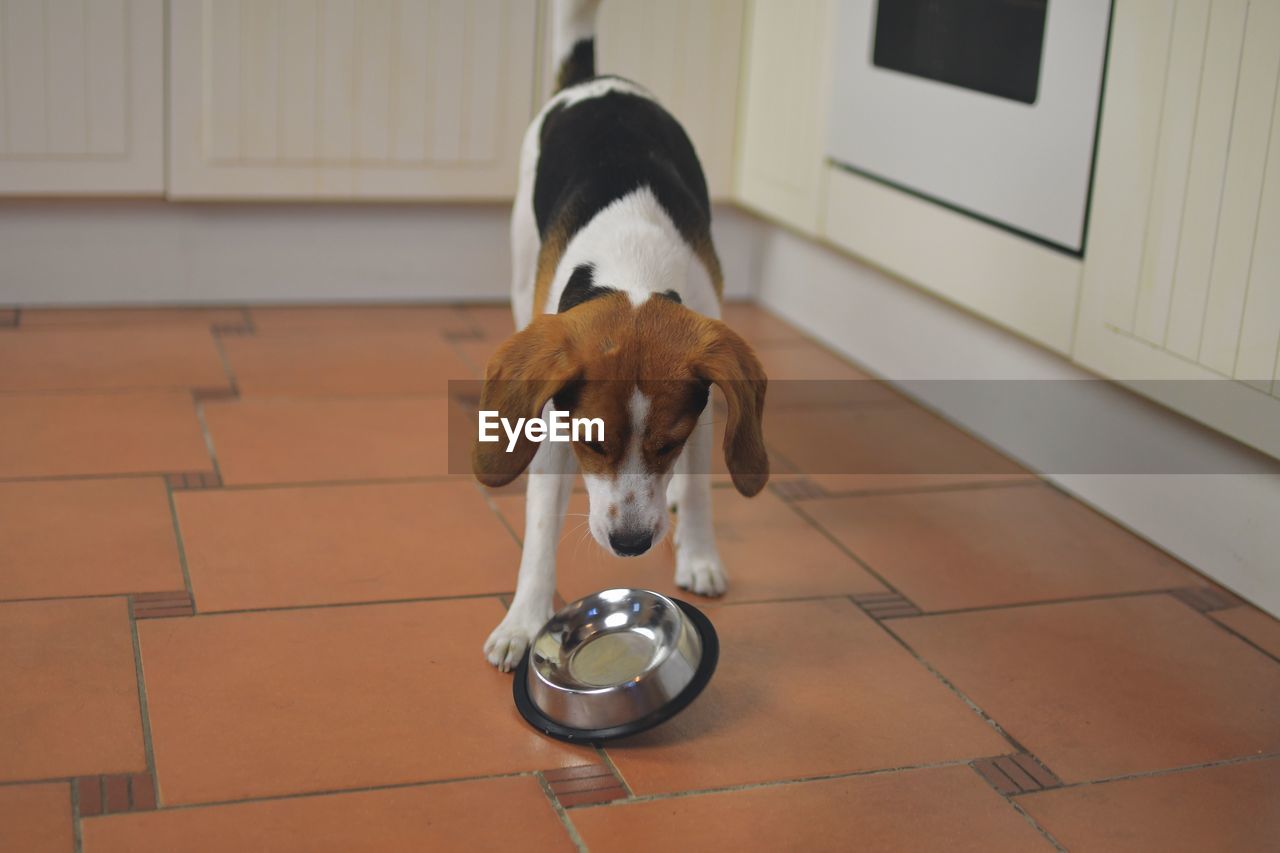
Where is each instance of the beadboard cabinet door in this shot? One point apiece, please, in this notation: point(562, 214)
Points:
point(1182, 275)
point(349, 99)
point(782, 127)
point(81, 97)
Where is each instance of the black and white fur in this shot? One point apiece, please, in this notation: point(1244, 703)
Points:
point(616, 174)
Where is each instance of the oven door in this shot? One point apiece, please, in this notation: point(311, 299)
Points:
point(989, 107)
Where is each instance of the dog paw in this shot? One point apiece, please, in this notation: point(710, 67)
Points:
point(701, 575)
point(508, 642)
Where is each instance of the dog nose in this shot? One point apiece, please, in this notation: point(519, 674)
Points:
point(631, 544)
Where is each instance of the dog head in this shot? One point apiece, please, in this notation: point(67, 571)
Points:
point(644, 371)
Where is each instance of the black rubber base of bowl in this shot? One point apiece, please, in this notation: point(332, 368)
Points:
point(706, 668)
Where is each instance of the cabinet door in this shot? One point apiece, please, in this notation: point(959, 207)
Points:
point(782, 129)
point(1182, 270)
point(392, 99)
point(81, 97)
point(688, 55)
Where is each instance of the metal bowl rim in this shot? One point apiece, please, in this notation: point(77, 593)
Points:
point(601, 690)
point(701, 677)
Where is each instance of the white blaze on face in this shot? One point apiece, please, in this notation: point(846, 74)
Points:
point(634, 499)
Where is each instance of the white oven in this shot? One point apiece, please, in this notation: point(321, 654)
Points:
point(989, 107)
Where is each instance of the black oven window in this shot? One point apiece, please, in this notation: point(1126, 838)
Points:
point(990, 46)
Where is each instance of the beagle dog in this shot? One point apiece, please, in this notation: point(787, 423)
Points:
point(616, 292)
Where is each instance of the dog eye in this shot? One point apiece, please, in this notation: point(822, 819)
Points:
point(594, 447)
point(669, 447)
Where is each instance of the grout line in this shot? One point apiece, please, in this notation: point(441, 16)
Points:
point(134, 475)
point(1017, 807)
point(844, 549)
point(63, 478)
point(963, 762)
point(225, 361)
point(1164, 771)
point(182, 548)
point(321, 484)
point(987, 718)
point(1208, 614)
point(1102, 596)
point(395, 786)
point(208, 440)
point(104, 391)
point(836, 596)
point(565, 820)
point(976, 485)
point(342, 604)
point(490, 501)
point(92, 596)
point(143, 709)
point(608, 762)
point(774, 783)
point(76, 832)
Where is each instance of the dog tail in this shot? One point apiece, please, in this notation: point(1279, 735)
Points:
point(573, 41)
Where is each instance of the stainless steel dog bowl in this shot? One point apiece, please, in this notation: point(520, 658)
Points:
point(615, 663)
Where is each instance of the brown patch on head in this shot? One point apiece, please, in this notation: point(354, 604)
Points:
point(592, 359)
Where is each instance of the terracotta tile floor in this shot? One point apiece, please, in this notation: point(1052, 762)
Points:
point(244, 583)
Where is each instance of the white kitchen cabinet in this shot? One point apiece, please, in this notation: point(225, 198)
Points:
point(81, 97)
point(1006, 278)
point(782, 126)
point(689, 56)
point(339, 99)
point(1182, 274)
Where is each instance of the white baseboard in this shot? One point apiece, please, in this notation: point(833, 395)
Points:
point(1223, 524)
point(130, 252)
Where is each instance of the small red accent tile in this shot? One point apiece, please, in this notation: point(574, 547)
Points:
point(886, 605)
point(584, 784)
point(117, 799)
point(142, 790)
point(154, 605)
point(1204, 598)
point(161, 612)
point(581, 771)
point(194, 480)
point(1016, 774)
point(89, 792)
point(1002, 783)
point(115, 794)
point(177, 595)
point(1042, 775)
point(584, 798)
point(579, 786)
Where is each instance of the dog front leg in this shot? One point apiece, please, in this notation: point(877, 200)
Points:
point(550, 482)
point(698, 565)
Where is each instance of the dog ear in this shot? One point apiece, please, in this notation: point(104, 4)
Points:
point(725, 359)
point(525, 372)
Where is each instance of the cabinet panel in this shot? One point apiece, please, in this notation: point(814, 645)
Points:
point(81, 97)
point(1182, 276)
point(782, 129)
point(347, 99)
point(1015, 282)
